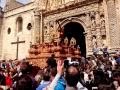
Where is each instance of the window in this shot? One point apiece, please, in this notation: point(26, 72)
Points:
point(9, 30)
point(29, 26)
point(19, 24)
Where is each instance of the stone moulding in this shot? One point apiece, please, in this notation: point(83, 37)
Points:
point(70, 7)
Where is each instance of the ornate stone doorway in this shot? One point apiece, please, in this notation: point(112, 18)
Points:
point(76, 30)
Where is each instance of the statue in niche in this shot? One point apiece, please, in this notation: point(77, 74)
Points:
point(102, 22)
point(52, 31)
point(45, 29)
point(46, 34)
point(93, 23)
point(94, 41)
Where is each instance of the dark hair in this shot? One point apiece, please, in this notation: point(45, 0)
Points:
point(24, 83)
point(72, 78)
point(25, 67)
point(51, 62)
point(53, 72)
point(116, 74)
point(46, 76)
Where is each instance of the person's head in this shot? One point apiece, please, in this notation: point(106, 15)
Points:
point(53, 71)
point(25, 67)
point(53, 55)
point(116, 76)
point(24, 83)
point(51, 62)
point(116, 84)
point(46, 76)
point(7, 73)
point(72, 76)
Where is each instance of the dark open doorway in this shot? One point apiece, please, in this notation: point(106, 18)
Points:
point(76, 30)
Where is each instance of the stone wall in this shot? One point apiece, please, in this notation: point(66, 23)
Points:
point(118, 18)
point(89, 16)
point(99, 18)
point(10, 19)
point(113, 28)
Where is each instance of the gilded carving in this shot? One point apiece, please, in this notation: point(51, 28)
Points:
point(66, 41)
point(72, 41)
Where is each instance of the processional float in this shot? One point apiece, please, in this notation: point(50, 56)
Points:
point(39, 53)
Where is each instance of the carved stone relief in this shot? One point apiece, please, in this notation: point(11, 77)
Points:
point(89, 15)
point(51, 32)
point(69, 13)
point(40, 4)
point(102, 24)
point(46, 32)
point(93, 22)
point(94, 41)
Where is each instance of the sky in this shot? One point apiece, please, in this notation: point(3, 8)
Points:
point(2, 3)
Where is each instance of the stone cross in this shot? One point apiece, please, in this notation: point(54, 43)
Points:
point(17, 42)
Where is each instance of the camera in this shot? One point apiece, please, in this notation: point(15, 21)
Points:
point(70, 62)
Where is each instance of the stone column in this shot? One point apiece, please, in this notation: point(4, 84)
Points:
point(112, 19)
point(41, 27)
point(88, 35)
point(37, 28)
point(88, 41)
point(98, 36)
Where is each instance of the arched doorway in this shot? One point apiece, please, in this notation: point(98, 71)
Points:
point(76, 30)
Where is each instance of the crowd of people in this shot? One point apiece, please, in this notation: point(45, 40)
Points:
point(96, 72)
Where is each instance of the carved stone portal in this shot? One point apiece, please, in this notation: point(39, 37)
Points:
point(92, 20)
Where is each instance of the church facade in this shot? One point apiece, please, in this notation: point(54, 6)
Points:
point(17, 23)
point(93, 23)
